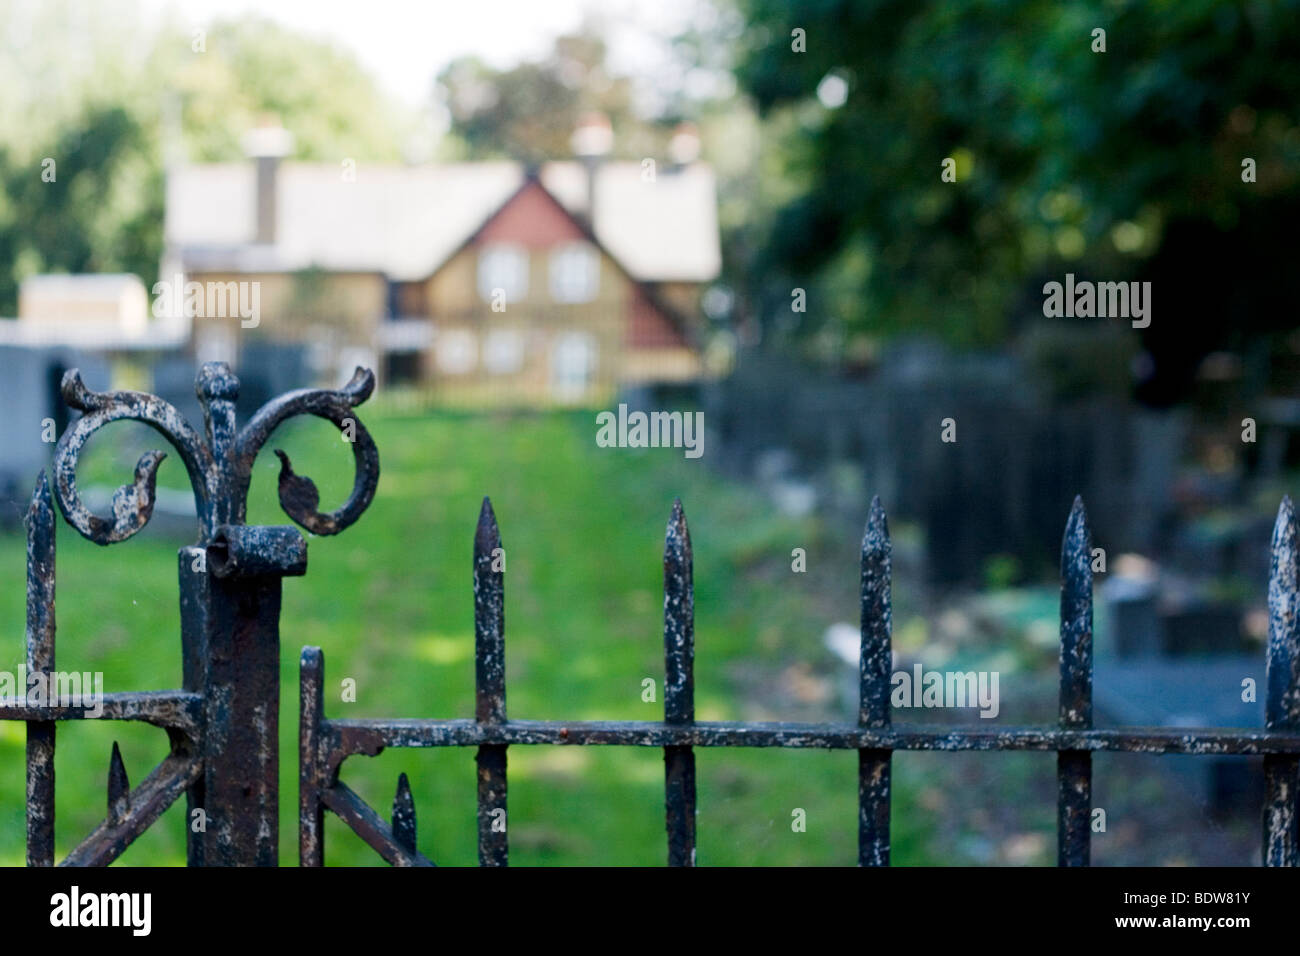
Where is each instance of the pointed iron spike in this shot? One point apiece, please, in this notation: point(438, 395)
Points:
point(876, 536)
point(487, 535)
point(875, 654)
point(404, 814)
point(40, 577)
point(1076, 657)
point(489, 619)
point(1076, 543)
point(1282, 565)
point(1282, 667)
point(678, 535)
point(1283, 543)
point(41, 497)
point(119, 788)
point(40, 516)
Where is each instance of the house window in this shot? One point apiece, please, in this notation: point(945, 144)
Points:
point(503, 267)
point(457, 352)
point(406, 300)
point(575, 272)
point(573, 361)
point(503, 352)
point(401, 368)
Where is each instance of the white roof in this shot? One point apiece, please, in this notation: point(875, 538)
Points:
point(87, 286)
point(157, 334)
point(406, 221)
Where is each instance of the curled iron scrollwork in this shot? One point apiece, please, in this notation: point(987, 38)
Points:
point(220, 467)
point(298, 495)
point(133, 503)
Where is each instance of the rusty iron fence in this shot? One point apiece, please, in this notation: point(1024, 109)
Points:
point(223, 722)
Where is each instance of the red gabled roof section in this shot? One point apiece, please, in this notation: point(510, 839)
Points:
point(533, 217)
point(647, 327)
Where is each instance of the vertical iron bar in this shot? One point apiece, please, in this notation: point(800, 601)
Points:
point(679, 686)
point(490, 685)
point(230, 631)
point(875, 661)
point(1074, 767)
point(196, 623)
point(1282, 696)
point(40, 660)
point(241, 779)
point(311, 711)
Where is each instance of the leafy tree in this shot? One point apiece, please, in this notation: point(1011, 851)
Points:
point(89, 90)
point(529, 111)
point(1122, 164)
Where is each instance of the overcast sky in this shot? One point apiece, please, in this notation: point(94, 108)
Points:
point(404, 43)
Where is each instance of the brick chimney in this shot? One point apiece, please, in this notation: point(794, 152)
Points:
point(266, 145)
point(592, 140)
point(684, 147)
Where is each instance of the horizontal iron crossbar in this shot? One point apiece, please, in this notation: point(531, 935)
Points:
point(325, 744)
point(347, 737)
point(176, 710)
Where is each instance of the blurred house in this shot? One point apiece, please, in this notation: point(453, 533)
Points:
point(98, 323)
point(486, 280)
point(107, 315)
point(105, 307)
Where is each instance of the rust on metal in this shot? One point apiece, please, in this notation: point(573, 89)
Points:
point(40, 660)
point(222, 725)
point(325, 744)
point(1282, 696)
point(875, 666)
point(679, 686)
point(490, 686)
point(1074, 767)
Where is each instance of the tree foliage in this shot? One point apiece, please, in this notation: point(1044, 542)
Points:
point(528, 112)
point(108, 103)
point(1122, 164)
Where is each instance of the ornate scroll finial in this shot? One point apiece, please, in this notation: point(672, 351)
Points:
point(220, 462)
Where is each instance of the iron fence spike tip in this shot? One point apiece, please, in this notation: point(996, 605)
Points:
point(42, 502)
point(677, 539)
point(487, 534)
point(1284, 537)
point(875, 538)
point(1076, 543)
point(404, 814)
point(1285, 518)
point(118, 786)
point(1282, 573)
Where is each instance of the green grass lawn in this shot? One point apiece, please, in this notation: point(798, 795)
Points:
point(390, 602)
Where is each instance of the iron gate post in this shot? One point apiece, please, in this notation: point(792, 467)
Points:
point(232, 623)
point(230, 583)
